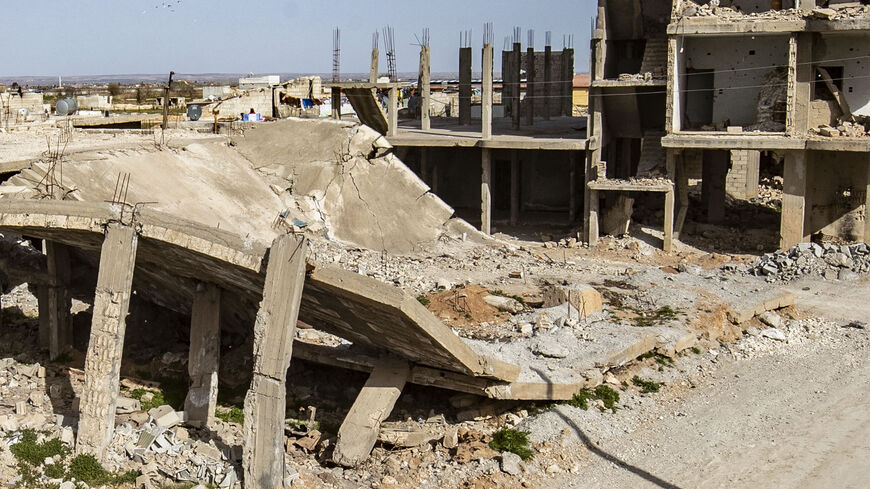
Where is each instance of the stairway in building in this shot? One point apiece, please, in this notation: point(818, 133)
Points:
point(655, 57)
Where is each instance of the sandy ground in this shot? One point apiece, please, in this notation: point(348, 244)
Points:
point(795, 417)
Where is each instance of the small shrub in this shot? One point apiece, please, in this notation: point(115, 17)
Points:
point(581, 399)
point(54, 471)
point(29, 451)
point(646, 386)
point(509, 296)
point(696, 350)
point(423, 300)
point(231, 415)
point(511, 440)
point(87, 468)
point(607, 395)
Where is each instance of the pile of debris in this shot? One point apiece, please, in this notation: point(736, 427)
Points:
point(839, 11)
point(844, 129)
point(830, 261)
point(715, 8)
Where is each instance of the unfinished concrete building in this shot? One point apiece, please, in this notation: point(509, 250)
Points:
point(746, 84)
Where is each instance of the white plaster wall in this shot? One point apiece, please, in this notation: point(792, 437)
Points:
point(731, 56)
point(856, 72)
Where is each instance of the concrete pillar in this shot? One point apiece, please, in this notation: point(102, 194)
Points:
point(515, 92)
point(714, 171)
point(515, 187)
point(572, 186)
point(486, 94)
point(801, 75)
point(359, 431)
point(393, 112)
point(531, 86)
point(204, 355)
point(592, 225)
point(794, 191)
point(485, 195)
point(668, 242)
point(424, 166)
point(507, 82)
point(425, 89)
point(433, 184)
point(266, 401)
point(109, 323)
point(742, 179)
point(336, 103)
point(682, 184)
point(568, 82)
point(867, 205)
point(465, 86)
point(548, 79)
point(373, 69)
point(53, 298)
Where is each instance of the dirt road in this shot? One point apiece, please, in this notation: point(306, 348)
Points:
point(795, 417)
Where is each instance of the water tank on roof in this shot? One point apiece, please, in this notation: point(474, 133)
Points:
point(67, 106)
point(194, 112)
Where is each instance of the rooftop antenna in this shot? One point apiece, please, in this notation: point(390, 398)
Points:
point(390, 48)
point(336, 54)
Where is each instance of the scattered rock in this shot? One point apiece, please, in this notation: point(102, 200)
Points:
point(511, 463)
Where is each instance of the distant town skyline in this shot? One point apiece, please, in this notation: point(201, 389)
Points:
point(111, 37)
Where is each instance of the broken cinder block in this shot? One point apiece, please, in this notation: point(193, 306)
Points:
point(583, 297)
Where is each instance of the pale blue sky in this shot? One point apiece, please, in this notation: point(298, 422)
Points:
point(90, 37)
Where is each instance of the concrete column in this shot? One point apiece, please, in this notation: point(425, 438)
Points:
point(359, 431)
point(531, 86)
point(465, 86)
point(592, 225)
point(668, 243)
point(794, 191)
point(204, 355)
point(867, 205)
point(336, 103)
point(485, 195)
point(109, 323)
point(682, 184)
point(486, 94)
point(515, 92)
point(373, 69)
point(548, 79)
point(434, 180)
point(266, 401)
point(714, 172)
point(425, 89)
point(572, 186)
point(54, 300)
point(568, 82)
point(393, 112)
point(515, 187)
point(507, 82)
point(424, 166)
point(801, 75)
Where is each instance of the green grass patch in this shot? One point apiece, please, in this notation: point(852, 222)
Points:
point(604, 393)
point(157, 400)
point(30, 451)
point(646, 386)
point(231, 415)
point(662, 360)
point(88, 469)
point(659, 316)
point(514, 441)
point(423, 300)
point(696, 350)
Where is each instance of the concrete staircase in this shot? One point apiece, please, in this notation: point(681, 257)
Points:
point(655, 57)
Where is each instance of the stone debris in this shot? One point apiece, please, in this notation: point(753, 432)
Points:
point(724, 10)
point(844, 129)
point(830, 261)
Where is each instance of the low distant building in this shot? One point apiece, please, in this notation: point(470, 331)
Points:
point(254, 83)
point(216, 92)
point(94, 102)
point(580, 87)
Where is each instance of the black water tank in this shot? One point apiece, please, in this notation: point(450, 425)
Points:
point(194, 112)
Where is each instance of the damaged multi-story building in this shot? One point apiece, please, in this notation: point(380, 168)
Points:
point(717, 91)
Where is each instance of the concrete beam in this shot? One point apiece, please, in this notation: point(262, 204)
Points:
point(359, 431)
point(486, 94)
point(109, 323)
point(204, 355)
point(794, 191)
point(266, 401)
point(485, 191)
point(425, 90)
point(465, 86)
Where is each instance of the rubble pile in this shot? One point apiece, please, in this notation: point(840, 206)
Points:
point(844, 129)
point(830, 261)
point(721, 9)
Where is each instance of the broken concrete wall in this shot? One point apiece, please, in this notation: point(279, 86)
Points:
point(733, 58)
point(259, 100)
point(836, 193)
point(751, 6)
point(364, 198)
point(849, 52)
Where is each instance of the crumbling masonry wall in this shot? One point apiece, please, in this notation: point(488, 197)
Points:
point(836, 198)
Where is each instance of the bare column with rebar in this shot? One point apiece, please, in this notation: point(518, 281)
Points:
point(465, 78)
